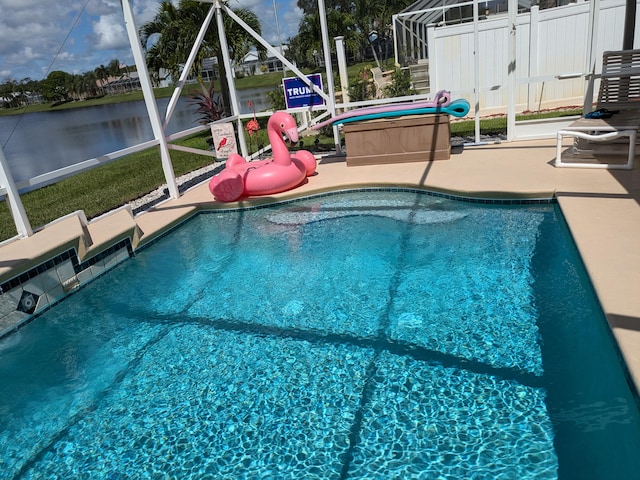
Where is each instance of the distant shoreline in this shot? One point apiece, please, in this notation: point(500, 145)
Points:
point(257, 81)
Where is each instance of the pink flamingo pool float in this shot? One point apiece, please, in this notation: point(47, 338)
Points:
point(280, 173)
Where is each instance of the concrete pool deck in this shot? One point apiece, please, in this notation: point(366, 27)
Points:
point(601, 207)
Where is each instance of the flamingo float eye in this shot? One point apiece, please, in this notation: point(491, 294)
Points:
point(282, 125)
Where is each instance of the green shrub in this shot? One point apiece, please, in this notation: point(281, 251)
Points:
point(400, 85)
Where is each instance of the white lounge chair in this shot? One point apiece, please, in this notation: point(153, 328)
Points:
point(619, 94)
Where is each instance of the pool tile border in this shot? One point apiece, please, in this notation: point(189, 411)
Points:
point(448, 196)
point(26, 296)
point(29, 294)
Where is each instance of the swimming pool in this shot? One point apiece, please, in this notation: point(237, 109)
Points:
point(350, 336)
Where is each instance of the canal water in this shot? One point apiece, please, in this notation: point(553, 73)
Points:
point(37, 143)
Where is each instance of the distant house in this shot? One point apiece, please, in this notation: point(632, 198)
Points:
point(209, 69)
point(252, 65)
point(248, 66)
point(126, 83)
point(18, 99)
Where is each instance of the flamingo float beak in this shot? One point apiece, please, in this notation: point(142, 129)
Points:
point(292, 135)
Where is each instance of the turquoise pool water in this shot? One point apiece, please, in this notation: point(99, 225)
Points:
point(368, 335)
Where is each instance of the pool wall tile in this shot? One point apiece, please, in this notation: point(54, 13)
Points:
point(65, 271)
point(85, 276)
point(55, 294)
point(111, 261)
point(5, 308)
point(43, 302)
point(34, 285)
point(49, 279)
point(7, 304)
point(10, 322)
point(52, 281)
point(97, 269)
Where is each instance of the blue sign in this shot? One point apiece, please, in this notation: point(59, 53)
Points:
point(297, 94)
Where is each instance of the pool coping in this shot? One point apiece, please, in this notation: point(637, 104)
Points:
point(601, 208)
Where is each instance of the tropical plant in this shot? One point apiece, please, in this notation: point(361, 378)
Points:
point(209, 107)
point(90, 84)
point(114, 68)
point(306, 47)
point(276, 98)
point(363, 88)
point(400, 84)
point(353, 19)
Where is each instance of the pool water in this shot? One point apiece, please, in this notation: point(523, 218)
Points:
point(364, 335)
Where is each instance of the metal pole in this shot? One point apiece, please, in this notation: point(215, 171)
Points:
point(235, 109)
point(342, 69)
point(511, 70)
point(629, 25)
point(394, 19)
point(532, 88)
point(187, 66)
point(331, 103)
point(476, 70)
point(149, 99)
point(23, 226)
point(590, 67)
point(275, 12)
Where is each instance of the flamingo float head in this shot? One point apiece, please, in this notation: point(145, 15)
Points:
point(285, 124)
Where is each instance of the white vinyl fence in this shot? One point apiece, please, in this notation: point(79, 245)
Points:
point(552, 55)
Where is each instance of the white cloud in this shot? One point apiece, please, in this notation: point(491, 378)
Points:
point(289, 16)
point(38, 36)
point(291, 19)
point(29, 54)
point(31, 34)
point(110, 32)
point(145, 10)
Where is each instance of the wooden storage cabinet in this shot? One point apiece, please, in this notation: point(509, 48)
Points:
point(403, 139)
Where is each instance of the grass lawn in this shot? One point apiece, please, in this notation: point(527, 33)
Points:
point(103, 188)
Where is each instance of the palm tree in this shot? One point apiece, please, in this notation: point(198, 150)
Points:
point(101, 75)
point(90, 85)
point(114, 68)
point(353, 19)
point(379, 18)
point(306, 46)
point(75, 87)
point(169, 37)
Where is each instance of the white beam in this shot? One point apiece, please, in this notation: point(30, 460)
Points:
point(590, 67)
point(312, 86)
point(23, 226)
point(476, 70)
point(331, 101)
point(342, 69)
point(231, 83)
point(187, 67)
point(149, 98)
point(511, 70)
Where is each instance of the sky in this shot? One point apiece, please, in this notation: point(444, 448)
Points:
point(76, 36)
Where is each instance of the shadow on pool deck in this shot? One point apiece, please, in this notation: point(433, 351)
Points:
point(602, 209)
